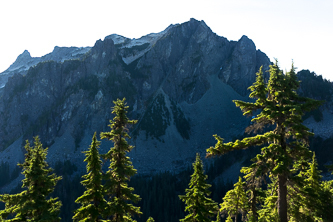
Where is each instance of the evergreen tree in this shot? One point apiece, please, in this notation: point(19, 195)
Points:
point(92, 201)
point(268, 211)
point(281, 109)
point(198, 205)
point(235, 202)
point(309, 201)
point(32, 203)
point(218, 217)
point(254, 190)
point(327, 200)
point(229, 219)
point(121, 169)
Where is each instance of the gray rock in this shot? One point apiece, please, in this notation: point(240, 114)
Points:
point(179, 85)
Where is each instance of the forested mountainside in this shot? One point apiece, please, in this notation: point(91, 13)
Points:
point(179, 85)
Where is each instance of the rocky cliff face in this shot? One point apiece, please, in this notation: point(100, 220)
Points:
point(179, 84)
point(25, 61)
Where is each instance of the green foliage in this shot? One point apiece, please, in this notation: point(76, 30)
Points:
point(121, 169)
point(92, 201)
point(31, 204)
point(235, 202)
point(150, 219)
point(218, 217)
point(198, 205)
point(309, 200)
point(285, 149)
point(158, 191)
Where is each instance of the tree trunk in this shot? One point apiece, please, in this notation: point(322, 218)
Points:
point(253, 204)
point(282, 198)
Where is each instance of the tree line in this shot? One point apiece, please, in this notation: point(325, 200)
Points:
point(282, 183)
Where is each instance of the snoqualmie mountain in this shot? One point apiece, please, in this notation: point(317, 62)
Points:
point(179, 85)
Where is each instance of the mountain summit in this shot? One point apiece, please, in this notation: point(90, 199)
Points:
point(179, 84)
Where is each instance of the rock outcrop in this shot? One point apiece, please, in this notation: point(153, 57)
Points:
point(179, 84)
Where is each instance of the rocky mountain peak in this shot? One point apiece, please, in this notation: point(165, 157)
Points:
point(21, 59)
point(180, 83)
point(246, 44)
point(197, 23)
point(25, 54)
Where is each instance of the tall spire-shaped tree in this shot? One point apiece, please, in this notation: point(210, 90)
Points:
point(92, 201)
point(32, 203)
point(199, 206)
point(286, 145)
point(235, 201)
point(121, 169)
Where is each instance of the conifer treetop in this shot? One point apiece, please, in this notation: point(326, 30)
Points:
point(33, 204)
point(199, 206)
point(92, 201)
point(119, 194)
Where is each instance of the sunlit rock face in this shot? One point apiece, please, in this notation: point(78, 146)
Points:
point(179, 85)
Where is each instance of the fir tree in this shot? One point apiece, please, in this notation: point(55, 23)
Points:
point(199, 206)
point(235, 201)
point(281, 109)
point(327, 200)
point(32, 203)
point(121, 169)
point(218, 217)
point(254, 190)
point(309, 201)
point(92, 201)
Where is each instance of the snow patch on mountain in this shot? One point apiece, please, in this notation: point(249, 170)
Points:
point(127, 43)
point(24, 61)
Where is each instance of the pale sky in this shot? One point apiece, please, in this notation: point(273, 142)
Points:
point(299, 30)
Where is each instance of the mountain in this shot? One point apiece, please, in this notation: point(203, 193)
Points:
point(179, 84)
point(25, 61)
